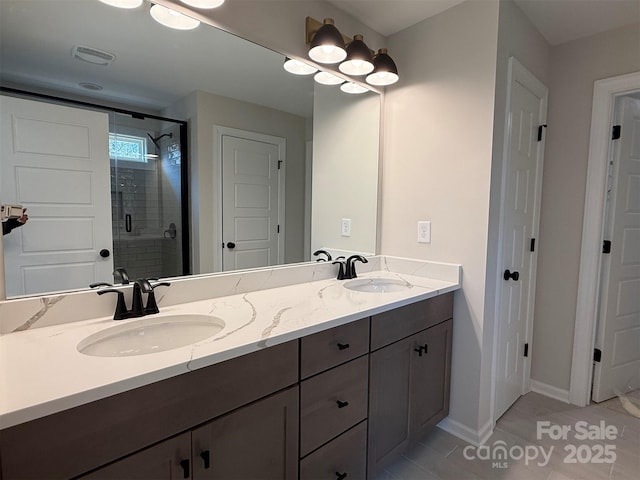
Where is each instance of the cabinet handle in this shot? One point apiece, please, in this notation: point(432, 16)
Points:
point(342, 404)
point(419, 350)
point(206, 458)
point(341, 476)
point(185, 468)
point(343, 346)
point(426, 348)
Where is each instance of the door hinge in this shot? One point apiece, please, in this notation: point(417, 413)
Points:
point(597, 355)
point(280, 163)
point(532, 245)
point(616, 131)
point(540, 127)
point(526, 349)
point(606, 246)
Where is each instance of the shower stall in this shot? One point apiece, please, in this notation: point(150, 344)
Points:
point(148, 195)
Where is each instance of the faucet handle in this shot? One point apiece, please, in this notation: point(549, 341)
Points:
point(100, 284)
point(152, 306)
point(121, 307)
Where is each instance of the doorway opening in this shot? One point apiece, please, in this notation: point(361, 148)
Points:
point(606, 93)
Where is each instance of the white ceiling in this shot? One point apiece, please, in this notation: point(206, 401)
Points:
point(559, 21)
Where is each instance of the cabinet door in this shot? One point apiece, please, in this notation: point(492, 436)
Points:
point(409, 392)
point(168, 460)
point(259, 441)
point(389, 403)
point(430, 376)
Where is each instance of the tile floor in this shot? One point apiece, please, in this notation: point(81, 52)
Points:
point(441, 456)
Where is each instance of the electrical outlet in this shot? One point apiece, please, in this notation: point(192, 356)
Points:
point(424, 232)
point(345, 230)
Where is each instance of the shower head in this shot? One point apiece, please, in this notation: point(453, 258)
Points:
point(155, 140)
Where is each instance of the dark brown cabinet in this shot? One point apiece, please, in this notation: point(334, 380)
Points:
point(168, 460)
point(259, 441)
point(408, 389)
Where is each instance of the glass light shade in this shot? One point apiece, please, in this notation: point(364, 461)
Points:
point(359, 60)
point(385, 71)
point(123, 3)
point(327, 45)
point(297, 67)
point(203, 3)
point(326, 78)
point(172, 19)
point(353, 88)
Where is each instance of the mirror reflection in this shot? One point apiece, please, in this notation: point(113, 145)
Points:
point(243, 116)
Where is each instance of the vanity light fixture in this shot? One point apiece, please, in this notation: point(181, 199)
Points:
point(326, 78)
point(353, 88)
point(297, 67)
point(205, 4)
point(359, 59)
point(326, 44)
point(385, 71)
point(123, 3)
point(172, 19)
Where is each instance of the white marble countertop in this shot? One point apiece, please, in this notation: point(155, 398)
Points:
point(44, 373)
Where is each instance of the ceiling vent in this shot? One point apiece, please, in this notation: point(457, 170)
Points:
point(92, 55)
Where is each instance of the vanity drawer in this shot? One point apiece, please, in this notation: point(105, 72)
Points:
point(394, 325)
point(347, 454)
point(332, 402)
point(324, 350)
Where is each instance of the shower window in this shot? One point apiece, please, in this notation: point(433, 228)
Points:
point(127, 147)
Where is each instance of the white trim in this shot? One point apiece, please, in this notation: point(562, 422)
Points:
point(516, 71)
point(218, 133)
point(550, 391)
point(605, 92)
point(474, 437)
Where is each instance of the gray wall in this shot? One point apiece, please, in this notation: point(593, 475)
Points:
point(437, 165)
point(574, 67)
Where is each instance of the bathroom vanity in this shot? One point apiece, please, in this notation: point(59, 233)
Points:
point(339, 400)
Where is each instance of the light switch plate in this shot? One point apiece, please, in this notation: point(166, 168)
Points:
point(345, 230)
point(424, 232)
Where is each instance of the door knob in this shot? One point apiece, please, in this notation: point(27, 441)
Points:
point(104, 253)
point(231, 245)
point(511, 275)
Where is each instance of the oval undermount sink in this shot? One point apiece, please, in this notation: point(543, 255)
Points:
point(378, 285)
point(150, 335)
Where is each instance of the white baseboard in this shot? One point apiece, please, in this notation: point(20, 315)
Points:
point(550, 391)
point(474, 437)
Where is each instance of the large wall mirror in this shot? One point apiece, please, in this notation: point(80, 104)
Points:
point(239, 106)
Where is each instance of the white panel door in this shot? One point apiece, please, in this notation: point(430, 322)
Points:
point(55, 162)
point(250, 196)
point(618, 335)
point(520, 222)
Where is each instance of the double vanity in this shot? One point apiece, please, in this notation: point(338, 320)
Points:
point(288, 373)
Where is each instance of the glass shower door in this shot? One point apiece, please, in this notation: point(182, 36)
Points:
point(147, 169)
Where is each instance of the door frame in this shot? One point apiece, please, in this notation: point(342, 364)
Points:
point(604, 96)
point(517, 71)
point(218, 132)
